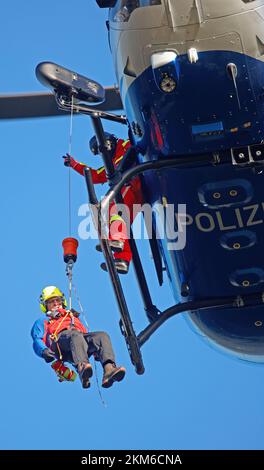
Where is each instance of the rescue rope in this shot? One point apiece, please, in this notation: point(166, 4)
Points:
point(69, 170)
point(54, 335)
point(69, 274)
point(70, 263)
point(98, 386)
point(80, 306)
point(88, 328)
point(59, 350)
point(69, 267)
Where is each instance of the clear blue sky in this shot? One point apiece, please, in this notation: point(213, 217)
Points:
point(190, 397)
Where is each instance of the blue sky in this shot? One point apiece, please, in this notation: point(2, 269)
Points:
point(190, 397)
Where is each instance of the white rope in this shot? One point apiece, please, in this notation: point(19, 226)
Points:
point(98, 386)
point(69, 269)
point(70, 291)
point(69, 171)
point(88, 328)
point(80, 306)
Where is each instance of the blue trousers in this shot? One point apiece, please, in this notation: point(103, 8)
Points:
point(77, 347)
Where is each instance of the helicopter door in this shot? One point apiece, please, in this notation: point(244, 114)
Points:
point(184, 13)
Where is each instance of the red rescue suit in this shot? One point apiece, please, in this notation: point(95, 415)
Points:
point(132, 196)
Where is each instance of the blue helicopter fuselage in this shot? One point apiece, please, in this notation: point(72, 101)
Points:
point(191, 77)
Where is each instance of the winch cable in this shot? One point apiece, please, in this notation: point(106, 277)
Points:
point(70, 262)
point(70, 254)
point(88, 328)
point(69, 275)
point(69, 170)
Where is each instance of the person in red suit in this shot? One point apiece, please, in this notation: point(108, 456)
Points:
point(131, 193)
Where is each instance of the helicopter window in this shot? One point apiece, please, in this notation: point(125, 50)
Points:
point(147, 3)
point(123, 8)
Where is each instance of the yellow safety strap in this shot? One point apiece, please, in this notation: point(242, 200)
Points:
point(54, 335)
point(118, 159)
point(116, 217)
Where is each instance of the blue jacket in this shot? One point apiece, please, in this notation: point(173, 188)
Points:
point(38, 333)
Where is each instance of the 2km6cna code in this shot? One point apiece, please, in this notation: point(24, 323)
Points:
point(161, 459)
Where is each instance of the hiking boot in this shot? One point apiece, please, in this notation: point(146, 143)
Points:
point(85, 371)
point(112, 374)
point(116, 246)
point(122, 266)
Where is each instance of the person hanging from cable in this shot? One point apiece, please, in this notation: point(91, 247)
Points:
point(61, 335)
point(131, 193)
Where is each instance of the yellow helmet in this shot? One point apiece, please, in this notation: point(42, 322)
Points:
point(48, 293)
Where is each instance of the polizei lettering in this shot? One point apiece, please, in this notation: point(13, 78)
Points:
point(225, 219)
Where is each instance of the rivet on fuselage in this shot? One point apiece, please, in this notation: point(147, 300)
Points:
point(167, 84)
point(216, 195)
point(236, 246)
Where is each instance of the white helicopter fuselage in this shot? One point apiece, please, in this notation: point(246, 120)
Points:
point(206, 36)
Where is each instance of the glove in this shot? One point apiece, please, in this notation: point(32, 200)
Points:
point(48, 355)
point(68, 160)
point(75, 313)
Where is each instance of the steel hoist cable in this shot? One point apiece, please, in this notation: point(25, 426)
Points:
point(70, 255)
point(69, 171)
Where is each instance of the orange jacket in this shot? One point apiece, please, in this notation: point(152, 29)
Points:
point(56, 325)
point(44, 327)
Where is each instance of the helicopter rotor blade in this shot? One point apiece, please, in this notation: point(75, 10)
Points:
point(39, 104)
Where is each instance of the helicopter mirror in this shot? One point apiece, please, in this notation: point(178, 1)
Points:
point(68, 83)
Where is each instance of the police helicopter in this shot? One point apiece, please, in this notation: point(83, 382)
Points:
point(190, 79)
